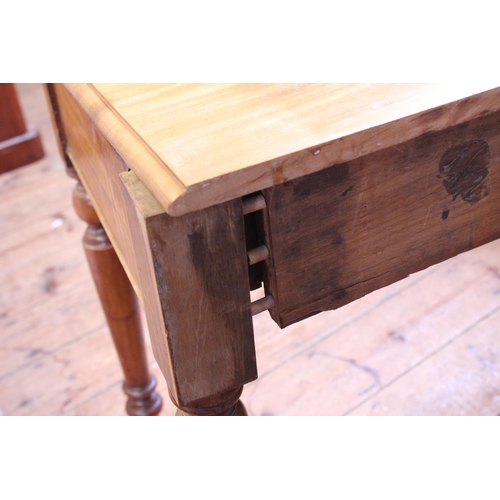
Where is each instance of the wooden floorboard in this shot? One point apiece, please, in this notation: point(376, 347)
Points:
point(427, 345)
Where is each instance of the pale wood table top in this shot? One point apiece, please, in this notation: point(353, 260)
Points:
point(196, 145)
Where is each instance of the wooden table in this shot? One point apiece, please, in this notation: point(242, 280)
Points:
point(319, 193)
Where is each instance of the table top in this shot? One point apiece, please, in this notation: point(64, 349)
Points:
point(196, 145)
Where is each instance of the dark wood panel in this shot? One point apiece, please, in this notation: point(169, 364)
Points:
point(201, 270)
point(341, 233)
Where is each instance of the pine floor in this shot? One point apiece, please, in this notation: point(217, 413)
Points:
point(427, 345)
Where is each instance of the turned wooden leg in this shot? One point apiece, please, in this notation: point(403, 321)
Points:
point(119, 302)
point(224, 405)
point(198, 303)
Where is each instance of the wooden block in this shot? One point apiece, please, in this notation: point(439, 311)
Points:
point(341, 233)
point(201, 274)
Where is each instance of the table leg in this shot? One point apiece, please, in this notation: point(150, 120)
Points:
point(229, 405)
point(195, 292)
point(201, 269)
point(119, 303)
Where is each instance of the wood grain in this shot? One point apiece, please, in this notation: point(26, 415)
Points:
point(164, 259)
point(194, 146)
point(98, 166)
point(391, 337)
point(473, 371)
point(57, 358)
point(341, 233)
point(201, 273)
point(120, 307)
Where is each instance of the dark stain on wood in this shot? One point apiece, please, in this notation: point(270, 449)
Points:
point(202, 276)
point(465, 168)
point(206, 247)
point(197, 248)
point(338, 234)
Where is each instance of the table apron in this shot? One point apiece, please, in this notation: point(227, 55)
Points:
point(343, 232)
